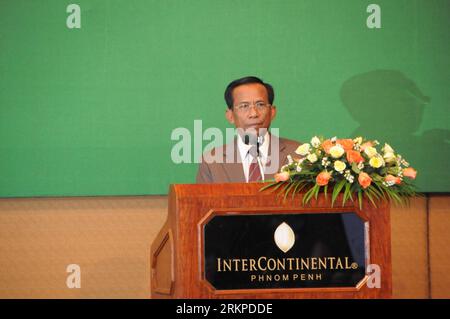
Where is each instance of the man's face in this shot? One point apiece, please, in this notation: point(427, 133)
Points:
point(251, 109)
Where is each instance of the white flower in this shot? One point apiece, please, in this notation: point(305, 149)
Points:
point(339, 166)
point(333, 139)
point(358, 140)
point(312, 158)
point(290, 160)
point(389, 157)
point(303, 149)
point(370, 151)
point(325, 162)
point(387, 148)
point(376, 161)
point(349, 177)
point(298, 168)
point(315, 142)
point(404, 163)
point(336, 151)
point(399, 159)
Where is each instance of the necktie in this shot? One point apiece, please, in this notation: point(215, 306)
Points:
point(254, 173)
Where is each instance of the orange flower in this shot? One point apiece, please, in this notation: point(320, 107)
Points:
point(395, 179)
point(364, 180)
point(410, 172)
point(347, 144)
point(323, 178)
point(354, 157)
point(281, 177)
point(326, 145)
point(366, 145)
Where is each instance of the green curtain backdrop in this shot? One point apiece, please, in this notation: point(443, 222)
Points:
point(90, 111)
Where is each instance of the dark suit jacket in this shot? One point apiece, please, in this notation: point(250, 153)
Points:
point(229, 167)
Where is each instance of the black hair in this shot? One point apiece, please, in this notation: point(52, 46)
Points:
point(246, 80)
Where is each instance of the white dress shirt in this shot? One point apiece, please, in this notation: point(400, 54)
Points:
point(247, 158)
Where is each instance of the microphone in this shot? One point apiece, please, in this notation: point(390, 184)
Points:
point(252, 141)
point(255, 141)
point(246, 139)
point(259, 141)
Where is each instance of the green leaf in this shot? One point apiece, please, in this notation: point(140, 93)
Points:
point(360, 198)
point(370, 190)
point(336, 190)
point(282, 191)
point(287, 190)
point(313, 190)
point(300, 185)
point(305, 196)
point(380, 190)
point(278, 186)
point(377, 177)
point(369, 196)
point(392, 195)
point(268, 186)
point(395, 197)
point(347, 194)
point(309, 194)
point(316, 192)
point(355, 168)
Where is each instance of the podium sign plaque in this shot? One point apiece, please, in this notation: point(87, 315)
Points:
point(233, 241)
point(261, 250)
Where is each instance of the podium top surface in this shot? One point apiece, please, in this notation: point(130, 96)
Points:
point(189, 190)
point(222, 191)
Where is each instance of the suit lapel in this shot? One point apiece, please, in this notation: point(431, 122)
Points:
point(281, 146)
point(234, 170)
point(281, 151)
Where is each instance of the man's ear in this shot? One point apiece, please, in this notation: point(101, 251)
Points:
point(229, 116)
point(273, 112)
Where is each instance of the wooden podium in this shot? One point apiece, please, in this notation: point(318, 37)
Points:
point(177, 253)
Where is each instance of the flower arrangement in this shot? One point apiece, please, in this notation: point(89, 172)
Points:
point(348, 166)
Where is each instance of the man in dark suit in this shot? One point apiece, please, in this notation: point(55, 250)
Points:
point(255, 154)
